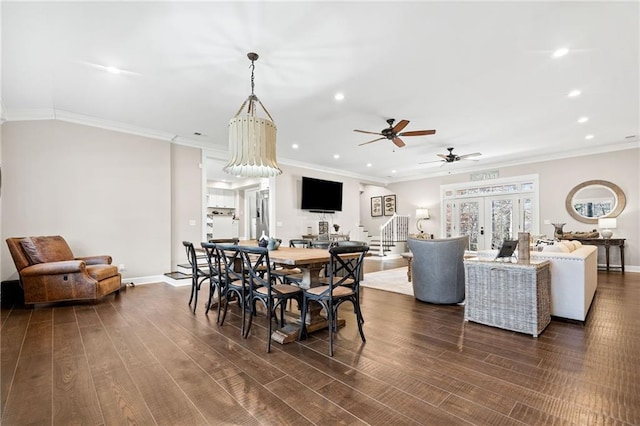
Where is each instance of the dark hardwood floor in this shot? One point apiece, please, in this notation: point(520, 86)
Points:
point(142, 357)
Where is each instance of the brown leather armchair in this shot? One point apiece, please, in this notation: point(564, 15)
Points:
point(50, 273)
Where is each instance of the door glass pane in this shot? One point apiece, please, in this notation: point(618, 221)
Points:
point(469, 222)
point(527, 214)
point(501, 222)
point(448, 232)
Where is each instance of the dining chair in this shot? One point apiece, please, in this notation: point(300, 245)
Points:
point(287, 274)
point(263, 288)
point(225, 240)
point(321, 244)
point(339, 268)
point(235, 285)
point(217, 279)
point(339, 289)
point(198, 275)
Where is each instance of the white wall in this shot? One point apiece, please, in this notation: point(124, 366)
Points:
point(105, 192)
point(186, 201)
point(556, 179)
point(132, 197)
point(291, 222)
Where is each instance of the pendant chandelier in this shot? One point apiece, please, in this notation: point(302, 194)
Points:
point(252, 140)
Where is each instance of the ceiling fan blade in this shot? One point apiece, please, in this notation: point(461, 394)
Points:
point(370, 133)
point(466, 156)
point(401, 125)
point(444, 157)
point(399, 143)
point(375, 140)
point(418, 133)
point(434, 161)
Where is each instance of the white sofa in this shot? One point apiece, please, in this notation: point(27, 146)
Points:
point(574, 276)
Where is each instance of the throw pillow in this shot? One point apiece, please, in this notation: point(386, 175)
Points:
point(30, 251)
point(556, 249)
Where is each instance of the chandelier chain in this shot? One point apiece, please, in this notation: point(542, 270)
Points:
point(253, 67)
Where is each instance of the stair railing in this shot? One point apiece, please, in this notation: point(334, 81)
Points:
point(393, 230)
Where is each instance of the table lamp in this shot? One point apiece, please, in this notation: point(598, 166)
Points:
point(606, 224)
point(421, 214)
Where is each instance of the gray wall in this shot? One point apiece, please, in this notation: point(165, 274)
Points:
point(105, 192)
point(186, 200)
point(291, 222)
point(556, 179)
point(133, 197)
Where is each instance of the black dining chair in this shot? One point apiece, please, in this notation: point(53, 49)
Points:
point(217, 278)
point(235, 285)
point(321, 244)
point(225, 240)
point(287, 274)
point(339, 289)
point(339, 268)
point(198, 274)
point(264, 288)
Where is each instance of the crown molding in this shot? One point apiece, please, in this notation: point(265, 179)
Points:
point(455, 169)
point(502, 162)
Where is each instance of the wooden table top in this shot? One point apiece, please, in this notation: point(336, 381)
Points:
point(297, 256)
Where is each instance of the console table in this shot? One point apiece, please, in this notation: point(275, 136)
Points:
point(513, 296)
point(606, 242)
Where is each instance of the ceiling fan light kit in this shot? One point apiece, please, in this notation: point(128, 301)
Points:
point(252, 140)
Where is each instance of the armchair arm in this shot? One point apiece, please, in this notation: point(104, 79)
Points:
point(53, 268)
point(96, 260)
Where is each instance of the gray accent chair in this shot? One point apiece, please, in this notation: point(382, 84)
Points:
point(437, 269)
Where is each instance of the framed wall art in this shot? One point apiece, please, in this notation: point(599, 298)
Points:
point(376, 206)
point(389, 202)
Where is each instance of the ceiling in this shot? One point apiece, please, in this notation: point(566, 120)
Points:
point(481, 73)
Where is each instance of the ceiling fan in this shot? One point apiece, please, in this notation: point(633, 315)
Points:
point(392, 133)
point(452, 158)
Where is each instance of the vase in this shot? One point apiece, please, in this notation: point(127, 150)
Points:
point(558, 232)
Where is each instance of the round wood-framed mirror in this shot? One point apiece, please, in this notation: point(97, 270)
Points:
point(593, 199)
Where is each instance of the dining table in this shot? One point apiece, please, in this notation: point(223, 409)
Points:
point(311, 262)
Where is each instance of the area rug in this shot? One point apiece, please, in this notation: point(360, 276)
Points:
point(394, 280)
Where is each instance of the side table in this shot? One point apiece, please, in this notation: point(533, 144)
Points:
point(409, 256)
point(513, 296)
point(606, 242)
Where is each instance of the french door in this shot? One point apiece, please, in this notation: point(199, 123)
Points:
point(490, 219)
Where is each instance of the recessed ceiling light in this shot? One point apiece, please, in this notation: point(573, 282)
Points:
point(113, 70)
point(574, 93)
point(589, 137)
point(583, 119)
point(339, 96)
point(393, 171)
point(294, 146)
point(336, 156)
point(369, 164)
point(560, 52)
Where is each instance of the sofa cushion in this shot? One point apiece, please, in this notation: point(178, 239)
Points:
point(568, 244)
point(101, 272)
point(30, 251)
point(52, 249)
point(556, 248)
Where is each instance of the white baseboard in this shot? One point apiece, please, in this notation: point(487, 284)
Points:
point(152, 279)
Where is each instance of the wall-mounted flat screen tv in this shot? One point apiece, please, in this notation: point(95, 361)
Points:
point(321, 195)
